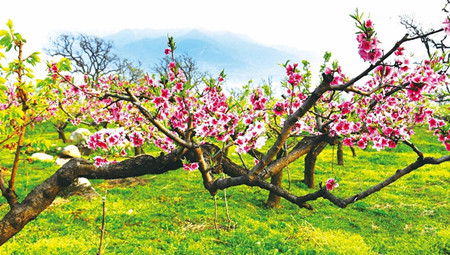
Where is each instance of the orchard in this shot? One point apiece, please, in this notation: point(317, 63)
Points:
point(196, 127)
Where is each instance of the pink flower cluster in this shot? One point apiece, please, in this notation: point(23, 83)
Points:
point(280, 107)
point(190, 166)
point(368, 43)
point(444, 138)
point(258, 99)
point(294, 77)
point(331, 184)
point(99, 161)
point(136, 139)
point(107, 138)
point(446, 26)
point(337, 79)
point(253, 138)
point(53, 70)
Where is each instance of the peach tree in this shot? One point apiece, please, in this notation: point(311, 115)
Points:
point(194, 126)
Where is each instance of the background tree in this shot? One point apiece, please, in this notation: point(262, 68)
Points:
point(92, 57)
point(187, 64)
point(435, 45)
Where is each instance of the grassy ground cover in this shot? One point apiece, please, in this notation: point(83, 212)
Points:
point(172, 213)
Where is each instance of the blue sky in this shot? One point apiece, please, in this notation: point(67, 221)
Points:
point(305, 25)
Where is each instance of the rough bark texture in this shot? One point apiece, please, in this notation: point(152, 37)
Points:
point(60, 127)
point(43, 195)
point(310, 163)
point(274, 200)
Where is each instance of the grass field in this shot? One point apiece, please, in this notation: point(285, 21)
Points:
point(173, 214)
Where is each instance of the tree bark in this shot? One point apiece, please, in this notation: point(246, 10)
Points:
point(274, 200)
point(340, 154)
point(310, 163)
point(353, 151)
point(138, 151)
point(60, 130)
point(43, 195)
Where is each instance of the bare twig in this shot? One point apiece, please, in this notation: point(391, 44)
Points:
point(226, 208)
point(103, 225)
point(215, 212)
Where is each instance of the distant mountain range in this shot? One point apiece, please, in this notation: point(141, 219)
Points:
point(242, 58)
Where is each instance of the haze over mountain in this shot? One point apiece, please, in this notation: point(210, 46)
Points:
point(242, 58)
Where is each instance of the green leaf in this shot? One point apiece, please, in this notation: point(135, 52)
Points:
point(6, 40)
point(18, 37)
point(9, 24)
point(267, 90)
point(30, 75)
point(327, 56)
point(3, 33)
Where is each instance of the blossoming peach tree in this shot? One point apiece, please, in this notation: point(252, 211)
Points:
point(196, 126)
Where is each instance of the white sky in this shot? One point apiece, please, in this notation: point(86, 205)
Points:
point(305, 25)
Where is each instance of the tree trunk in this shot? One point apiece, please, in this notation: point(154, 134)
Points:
point(310, 163)
point(60, 127)
point(340, 154)
point(274, 200)
point(353, 151)
point(138, 151)
point(61, 134)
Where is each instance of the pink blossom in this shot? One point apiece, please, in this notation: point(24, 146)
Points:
point(278, 108)
point(165, 93)
point(348, 142)
point(446, 24)
point(190, 167)
point(392, 144)
point(331, 184)
point(260, 142)
point(167, 51)
point(136, 139)
point(399, 51)
point(447, 146)
point(99, 161)
point(432, 123)
point(178, 87)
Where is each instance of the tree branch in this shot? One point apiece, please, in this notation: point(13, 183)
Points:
point(289, 123)
point(399, 173)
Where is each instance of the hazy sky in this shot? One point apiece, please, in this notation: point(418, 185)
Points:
point(305, 25)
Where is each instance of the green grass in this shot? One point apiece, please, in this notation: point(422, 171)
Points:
point(172, 213)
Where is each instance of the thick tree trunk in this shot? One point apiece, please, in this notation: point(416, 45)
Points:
point(310, 163)
point(43, 195)
point(340, 154)
point(274, 200)
point(60, 127)
point(61, 134)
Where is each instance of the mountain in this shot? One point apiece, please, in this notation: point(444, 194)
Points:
point(242, 58)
